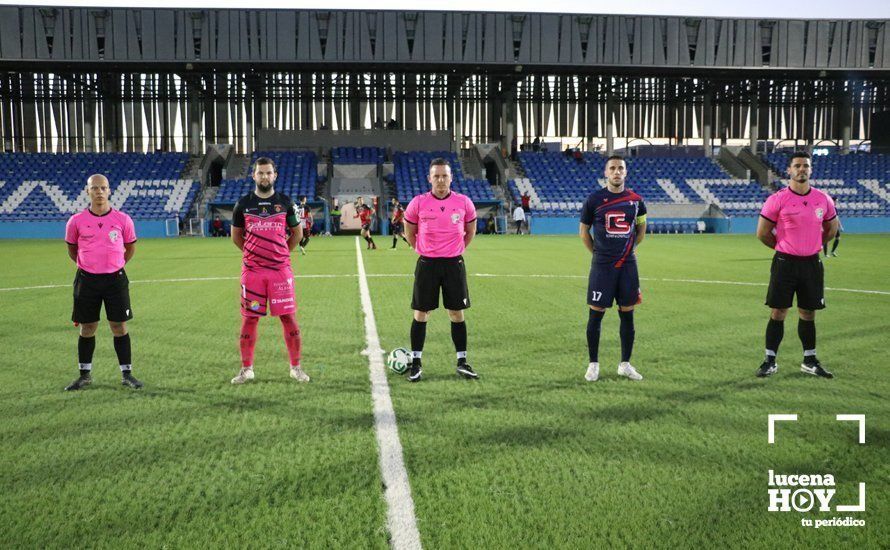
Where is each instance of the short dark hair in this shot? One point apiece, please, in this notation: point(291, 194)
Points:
point(799, 155)
point(616, 157)
point(439, 161)
point(265, 161)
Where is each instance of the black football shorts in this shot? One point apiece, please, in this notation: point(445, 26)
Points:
point(92, 290)
point(800, 275)
point(447, 274)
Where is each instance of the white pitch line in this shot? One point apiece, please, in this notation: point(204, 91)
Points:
point(667, 280)
point(485, 275)
point(401, 522)
point(742, 283)
point(182, 280)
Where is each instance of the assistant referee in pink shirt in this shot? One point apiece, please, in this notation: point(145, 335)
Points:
point(439, 226)
point(796, 222)
point(100, 241)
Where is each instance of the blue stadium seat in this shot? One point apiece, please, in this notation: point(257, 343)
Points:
point(560, 183)
point(358, 155)
point(411, 170)
point(859, 182)
point(50, 187)
point(297, 177)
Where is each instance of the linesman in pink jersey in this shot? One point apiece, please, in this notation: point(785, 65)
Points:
point(440, 225)
point(266, 227)
point(796, 221)
point(100, 241)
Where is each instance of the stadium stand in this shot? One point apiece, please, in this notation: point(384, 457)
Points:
point(558, 183)
point(50, 187)
point(297, 176)
point(859, 183)
point(358, 155)
point(411, 170)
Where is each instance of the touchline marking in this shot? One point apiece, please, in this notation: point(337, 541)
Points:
point(401, 522)
point(667, 280)
point(486, 275)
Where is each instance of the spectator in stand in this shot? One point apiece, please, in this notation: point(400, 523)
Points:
point(526, 204)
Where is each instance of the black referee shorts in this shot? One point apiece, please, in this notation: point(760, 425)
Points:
point(92, 290)
point(801, 275)
point(449, 274)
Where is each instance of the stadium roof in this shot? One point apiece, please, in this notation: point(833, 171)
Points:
point(797, 9)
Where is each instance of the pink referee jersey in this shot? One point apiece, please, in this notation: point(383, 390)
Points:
point(798, 219)
point(440, 223)
point(100, 239)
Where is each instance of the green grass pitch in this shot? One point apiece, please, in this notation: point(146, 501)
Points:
point(530, 455)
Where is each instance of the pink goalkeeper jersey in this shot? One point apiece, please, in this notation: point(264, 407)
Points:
point(440, 223)
point(100, 239)
point(798, 219)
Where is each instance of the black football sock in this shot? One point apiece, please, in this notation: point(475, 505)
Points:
point(775, 330)
point(406, 240)
point(837, 241)
point(594, 322)
point(627, 333)
point(825, 249)
point(395, 241)
point(85, 347)
point(122, 348)
point(807, 332)
point(418, 337)
point(459, 337)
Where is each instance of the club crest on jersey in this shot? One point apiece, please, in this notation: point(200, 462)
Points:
point(113, 235)
point(820, 213)
point(616, 223)
point(455, 217)
point(277, 208)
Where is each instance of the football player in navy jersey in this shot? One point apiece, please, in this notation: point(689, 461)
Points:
point(618, 219)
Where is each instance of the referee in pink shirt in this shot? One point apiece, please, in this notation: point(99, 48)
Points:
point(796, 222)
point(439, 226)
point(100, 241)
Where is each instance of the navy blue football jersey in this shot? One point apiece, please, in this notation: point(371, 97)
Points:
point(613, 217)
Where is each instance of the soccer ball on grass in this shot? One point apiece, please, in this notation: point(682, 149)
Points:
point(398, 360)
